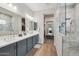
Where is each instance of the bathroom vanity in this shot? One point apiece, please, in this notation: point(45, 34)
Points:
point(19, 46)
point(12, 42)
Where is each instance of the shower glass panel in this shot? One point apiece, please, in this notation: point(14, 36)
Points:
point(62, 24)
point(70, 42)
point(61, 18)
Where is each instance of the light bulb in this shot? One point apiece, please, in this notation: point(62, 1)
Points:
point(10, 4)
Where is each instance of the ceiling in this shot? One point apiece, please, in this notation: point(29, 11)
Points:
point(68, 5)
point(40, 6)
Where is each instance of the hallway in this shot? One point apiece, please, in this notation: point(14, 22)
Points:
point(47, 49)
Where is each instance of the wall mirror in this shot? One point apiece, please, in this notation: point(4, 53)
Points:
point(35, 25)
point(32, 25)
point(23, 24)
point(5, 23)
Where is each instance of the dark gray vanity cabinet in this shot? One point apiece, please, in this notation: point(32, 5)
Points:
point(30, 43)
point(35, 39)
point(21, 48)
point(9, 50)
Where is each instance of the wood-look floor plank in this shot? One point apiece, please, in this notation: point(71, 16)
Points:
point(47, 49)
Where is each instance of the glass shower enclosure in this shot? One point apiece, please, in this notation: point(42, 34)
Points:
point(70, 42)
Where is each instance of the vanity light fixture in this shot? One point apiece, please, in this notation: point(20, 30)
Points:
point(35, 19)
point(29, 17)
point(14, 7)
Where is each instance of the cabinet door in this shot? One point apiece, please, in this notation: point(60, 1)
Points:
point(26, 46)
point(13, 49)
point(21, 48)
point(9, 50)
point(34, 40)
point(37, 39)
point(30, 43)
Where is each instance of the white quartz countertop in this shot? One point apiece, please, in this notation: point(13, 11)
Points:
point(16, 39)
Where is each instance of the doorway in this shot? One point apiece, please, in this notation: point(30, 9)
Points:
point(48, 27)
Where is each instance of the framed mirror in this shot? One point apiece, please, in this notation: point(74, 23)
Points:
point(32, 25)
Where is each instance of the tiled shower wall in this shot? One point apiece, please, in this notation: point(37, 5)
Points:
point(71, 40)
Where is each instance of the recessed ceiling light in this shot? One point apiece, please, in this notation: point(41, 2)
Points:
point(10, 4)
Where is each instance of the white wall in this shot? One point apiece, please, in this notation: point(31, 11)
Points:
point(16, 22)
point(59, 18)
point(57, 38)
point(40, 20)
